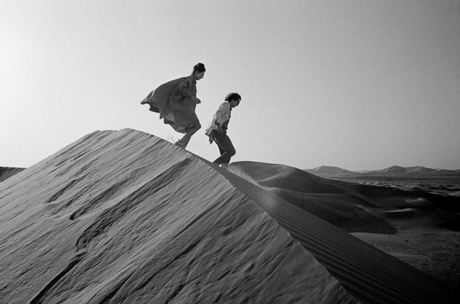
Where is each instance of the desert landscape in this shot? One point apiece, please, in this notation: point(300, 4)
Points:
point(427, 235)
point(345, 185)
point(127, 217)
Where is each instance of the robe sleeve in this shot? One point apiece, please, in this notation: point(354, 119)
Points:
point(183, 89)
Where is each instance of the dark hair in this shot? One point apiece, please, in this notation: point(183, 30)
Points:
point(232, 96)
point(199, 67)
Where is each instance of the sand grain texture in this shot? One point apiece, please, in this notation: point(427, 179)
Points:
point(7, 172)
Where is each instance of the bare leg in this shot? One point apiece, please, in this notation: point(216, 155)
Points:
point(183, 142)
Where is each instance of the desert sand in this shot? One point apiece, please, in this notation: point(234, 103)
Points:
point(426, 219)
point(7, 172)
point(126, 217)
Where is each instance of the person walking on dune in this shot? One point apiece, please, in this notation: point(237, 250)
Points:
point(217, 130)
point(176, 102)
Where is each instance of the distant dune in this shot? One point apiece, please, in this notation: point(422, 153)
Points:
point(409, 170)
point(126, 217)
point(335, 202)
point(328, 170)
point(389, 171)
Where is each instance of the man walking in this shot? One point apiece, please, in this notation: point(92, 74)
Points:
point(217, 130)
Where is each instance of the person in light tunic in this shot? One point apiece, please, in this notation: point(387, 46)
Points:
point(217, 130)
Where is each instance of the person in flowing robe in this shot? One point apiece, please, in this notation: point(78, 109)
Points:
point(176, 102)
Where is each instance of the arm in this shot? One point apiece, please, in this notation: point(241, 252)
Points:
point(183, 89)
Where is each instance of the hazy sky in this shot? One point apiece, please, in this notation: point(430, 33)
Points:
point(354, 84)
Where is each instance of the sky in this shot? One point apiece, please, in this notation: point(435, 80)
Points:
point(358, 84)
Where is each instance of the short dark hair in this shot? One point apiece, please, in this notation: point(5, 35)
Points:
point(232, 96)
point(199, 67)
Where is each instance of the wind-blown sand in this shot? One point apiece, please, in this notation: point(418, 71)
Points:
point(126, 217)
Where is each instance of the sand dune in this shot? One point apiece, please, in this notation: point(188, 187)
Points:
point(420, 227)
point(338, 203)
point(7, 172)
point(329, 170)
point(125, 217)
point(389, 171)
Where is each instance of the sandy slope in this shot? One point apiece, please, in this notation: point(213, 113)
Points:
point(7, 172)
point(125, 217)
point(413, 223)
point(369, 274)
point(336, 202)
